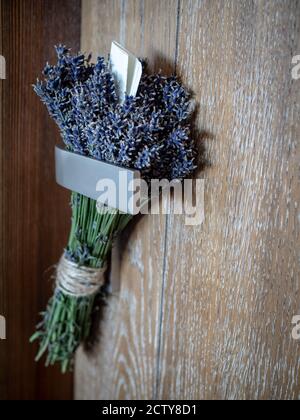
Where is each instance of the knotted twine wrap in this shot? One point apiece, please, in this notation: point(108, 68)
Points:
point(78, 281)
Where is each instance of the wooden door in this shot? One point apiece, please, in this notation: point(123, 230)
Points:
point(206, 312)
point(34, 211)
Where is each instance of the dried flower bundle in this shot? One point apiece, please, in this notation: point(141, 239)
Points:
point(149, 132)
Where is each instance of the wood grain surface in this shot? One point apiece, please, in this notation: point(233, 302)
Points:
point(123, 363)
point(205, 312)
point(34, 211)
point(2, 288)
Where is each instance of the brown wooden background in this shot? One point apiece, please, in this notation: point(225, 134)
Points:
point(203, 312)
point(34, 211)
point(206, 312)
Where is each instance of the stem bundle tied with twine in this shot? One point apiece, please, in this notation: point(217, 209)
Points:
point(67, 320)
point(149, 132)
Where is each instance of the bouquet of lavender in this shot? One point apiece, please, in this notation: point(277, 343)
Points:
point(149, 132)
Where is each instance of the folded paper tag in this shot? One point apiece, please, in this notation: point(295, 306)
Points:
point(126, 69)
point(110, 185)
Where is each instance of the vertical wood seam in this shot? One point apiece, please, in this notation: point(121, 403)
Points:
point(166, 240)
point(177, 36)
point(161, 307)
point(123, 22)
point(80, 49)
point(142, 17)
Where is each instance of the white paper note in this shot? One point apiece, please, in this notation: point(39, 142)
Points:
point(126, 69)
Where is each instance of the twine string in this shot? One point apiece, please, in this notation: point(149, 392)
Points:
point(78, 281)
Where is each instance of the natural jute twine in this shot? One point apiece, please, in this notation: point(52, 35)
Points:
point(78, 281)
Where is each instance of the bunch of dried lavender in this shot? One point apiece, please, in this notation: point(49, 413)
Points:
point(149, 132)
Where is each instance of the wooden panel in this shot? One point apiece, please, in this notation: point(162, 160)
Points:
point(205, 312)
point(229, 301)
point(101, 22)
point(3, 309)
point(124, 364)
point(35, 213)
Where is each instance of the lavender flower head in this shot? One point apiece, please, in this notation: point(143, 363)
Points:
point(149, 132)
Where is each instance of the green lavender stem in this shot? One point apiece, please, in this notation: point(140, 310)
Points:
point(67, 320)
